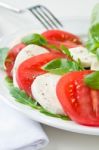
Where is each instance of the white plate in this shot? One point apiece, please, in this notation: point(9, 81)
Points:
point(34, 114)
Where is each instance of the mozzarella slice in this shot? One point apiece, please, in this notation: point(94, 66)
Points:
point(83, 54)
point(44, 91)
point(95, 65)
point(26, 53)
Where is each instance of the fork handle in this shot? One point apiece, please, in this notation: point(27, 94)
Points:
point(11, 8)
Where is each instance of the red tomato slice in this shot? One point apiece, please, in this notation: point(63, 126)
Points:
point(31, 68)
point(80, 102)
point(67, 43)
point(9, 62)
point(58, 37)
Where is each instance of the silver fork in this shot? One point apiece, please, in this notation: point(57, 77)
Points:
point(45, 17)
point(43, 14)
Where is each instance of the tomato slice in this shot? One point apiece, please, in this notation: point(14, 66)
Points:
point(58, 37)
point(31, 68)
point(80, 102)
point(9, 62)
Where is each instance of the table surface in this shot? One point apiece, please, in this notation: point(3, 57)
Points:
point(64, 140)
point(59, 139)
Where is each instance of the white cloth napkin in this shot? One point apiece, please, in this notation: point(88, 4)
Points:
point(17, 132)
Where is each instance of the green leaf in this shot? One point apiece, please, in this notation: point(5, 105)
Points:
point(93, 37)
point(34, 39)
point(97, 53)
point(91, 45)
point(79, 64)
point(65, 50)
point(3, 55)
point(9, 81)
point(63, 117)
point(92, 80)
point(61, 66)
point(51, 46)
point(21, 97)
point(94, 31)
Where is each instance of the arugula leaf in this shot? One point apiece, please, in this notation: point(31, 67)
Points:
point(3, 55)
point(51, 46)
point(61, 66)
point(92, 80)
point(21, 97)
point(34, 39)
point(65, 50)
point(79, 64)
point(9, 81)
point(42, 110)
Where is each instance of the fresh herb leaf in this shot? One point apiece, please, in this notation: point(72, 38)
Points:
point(34, 39)
point(97, 53)
point(93, 41)
point(54, 115)
point(65, 50)
point(9, 81)
point(79, 64)
point(21, 97)
point(3, 55)
point(94, 31)
point(93, 38)
point(91, 44)
point(61, 66)
point(51, 46)
point(92, 80)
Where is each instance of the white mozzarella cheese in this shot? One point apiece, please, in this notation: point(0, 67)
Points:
point(44, 91)
point(26, 53)
point(83, 54)
point(95, 65)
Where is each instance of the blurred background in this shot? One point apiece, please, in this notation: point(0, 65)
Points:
point(63, 9)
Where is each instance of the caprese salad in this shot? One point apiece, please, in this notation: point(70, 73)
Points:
point(56, 73)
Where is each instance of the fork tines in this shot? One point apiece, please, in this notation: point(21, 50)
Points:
point(46, 17)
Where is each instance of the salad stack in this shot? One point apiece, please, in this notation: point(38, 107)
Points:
point(56, 73)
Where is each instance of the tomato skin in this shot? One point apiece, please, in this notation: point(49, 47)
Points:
point(67, 43)
point(58, 37)
point(31, 68)
point(79, 101)
point(9, 62)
